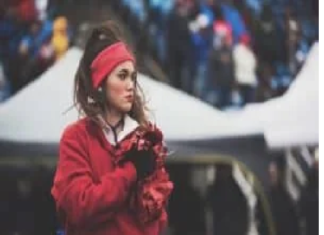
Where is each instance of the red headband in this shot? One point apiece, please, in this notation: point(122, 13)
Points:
point(107, 60)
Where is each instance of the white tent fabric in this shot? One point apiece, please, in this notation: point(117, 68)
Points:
point(36, 113)
point(293, 119)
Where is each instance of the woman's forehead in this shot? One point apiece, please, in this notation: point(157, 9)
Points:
point(126, 65)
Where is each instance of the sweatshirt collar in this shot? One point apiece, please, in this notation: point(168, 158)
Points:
point(129, 126)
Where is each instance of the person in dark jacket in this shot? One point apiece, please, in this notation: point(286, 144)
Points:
point(283, 209)
point(186, 207)
point(228, 203)
point(179, 45)
point(221, 74)
point(266, 38)
point(309, 202)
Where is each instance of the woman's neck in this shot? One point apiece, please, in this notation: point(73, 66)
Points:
point(113, 117)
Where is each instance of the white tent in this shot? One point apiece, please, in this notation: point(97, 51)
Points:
point(293, 119)
point(36, 113)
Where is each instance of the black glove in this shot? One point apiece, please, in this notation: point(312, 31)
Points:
point(143, 160)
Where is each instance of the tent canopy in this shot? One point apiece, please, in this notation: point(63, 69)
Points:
point(37, 113)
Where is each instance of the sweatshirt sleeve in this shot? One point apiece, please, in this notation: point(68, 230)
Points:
point(80, 201)
point(163, 221)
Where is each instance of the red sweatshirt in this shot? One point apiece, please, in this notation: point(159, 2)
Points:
point(90, 191)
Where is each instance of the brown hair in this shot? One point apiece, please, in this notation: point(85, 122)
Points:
point(89, 101)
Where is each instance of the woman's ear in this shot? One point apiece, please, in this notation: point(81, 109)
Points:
point(101, 95)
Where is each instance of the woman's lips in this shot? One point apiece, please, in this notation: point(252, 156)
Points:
point(130, 98)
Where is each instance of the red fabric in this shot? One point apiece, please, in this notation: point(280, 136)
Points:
point(223, 29)
point(150, 195)
point(245, 39)
point(107, 60)
point(27, 10)
point(93, 193)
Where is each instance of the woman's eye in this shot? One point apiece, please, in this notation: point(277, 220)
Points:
point(122, 76)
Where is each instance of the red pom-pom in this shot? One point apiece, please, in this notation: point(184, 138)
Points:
point(151, 194)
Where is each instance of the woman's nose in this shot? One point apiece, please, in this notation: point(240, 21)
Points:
point(130, 85)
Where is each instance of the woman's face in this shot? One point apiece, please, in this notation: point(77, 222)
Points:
point(120, 87)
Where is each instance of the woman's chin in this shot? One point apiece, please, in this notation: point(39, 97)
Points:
point(126, 108)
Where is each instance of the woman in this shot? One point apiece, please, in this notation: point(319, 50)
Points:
point(110, 177)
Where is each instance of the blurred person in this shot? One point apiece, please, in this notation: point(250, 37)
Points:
point(222, 34)
point(41, 7)
point(8, 29)
point(110, 177)
point(29, 45)
point(309, 200)
point(245, 69)
point(264, 90)
point(46, 56)
point(292, 29)
point(263, 226)
point(5, 90)
point(300, 51)
point(35, 54)
point(255, 6)
point(201, 33)
point(27, 11)
point(39, 32)
point(234, 18)
point(10, 36)
point(221, 26)
point(281, 80)
point(137, 8)
point(228, 203)
point(186, 206)
point(315, 8)
point(283, 209)
point(221, 72)
point(158, 13)
point(267, 44)
point(179, 45)
point(60, 39)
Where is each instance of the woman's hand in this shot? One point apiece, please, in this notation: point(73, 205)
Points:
point(144, 161)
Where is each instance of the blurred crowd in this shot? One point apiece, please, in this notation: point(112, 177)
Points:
point(27, 208)
point(32, 38)
point(294, 215)
point(229, 207)
point(226, 52)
